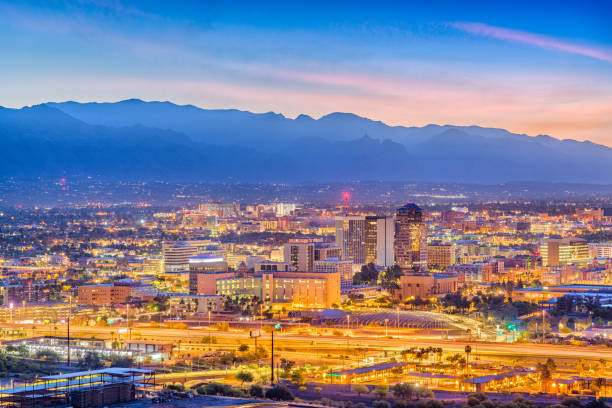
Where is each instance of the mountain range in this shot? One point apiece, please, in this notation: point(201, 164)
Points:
point(138, 140)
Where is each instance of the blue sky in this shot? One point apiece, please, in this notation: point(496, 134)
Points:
point(531, 67)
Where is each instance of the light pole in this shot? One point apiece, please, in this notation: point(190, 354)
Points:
point(386, 332)
point(272, 357)
point(398, 322)
point(68, 328)
point(209, 333)
point(543, 311)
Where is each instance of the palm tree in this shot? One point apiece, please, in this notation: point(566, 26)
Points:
point(468, 350)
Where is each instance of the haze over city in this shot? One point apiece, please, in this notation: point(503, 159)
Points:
point(306, 204)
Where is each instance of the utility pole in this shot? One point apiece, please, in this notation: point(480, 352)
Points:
point(272, 362)
point(68, 331)
point(543, 326)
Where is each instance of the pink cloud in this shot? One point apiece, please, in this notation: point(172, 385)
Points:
point(533, 39)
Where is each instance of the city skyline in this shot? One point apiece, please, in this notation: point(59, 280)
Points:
point(530, 68)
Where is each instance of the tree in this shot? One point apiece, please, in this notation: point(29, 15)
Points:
point(546, 371)
point(48, 356)
point(360, 389)
point(367, 276)
point(243, 347)
point(381, 390)
point(244, 376)
point(468, 350)
point(403, 391)
point(286, 366)
point(120, 361)
point(390, 277)
point(91, 361)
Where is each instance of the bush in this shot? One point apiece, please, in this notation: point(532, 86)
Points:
point(434, 404)
point(256, 391)
point(480, 396)
point(176, 387)
point(381, 404)
point(122, 361)
point(571, 402)
point(217, 389)
point(425, 393)
point(488, 404)
point(327, 402)
point(279, 393)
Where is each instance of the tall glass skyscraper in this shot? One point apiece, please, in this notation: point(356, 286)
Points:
point(410, 237)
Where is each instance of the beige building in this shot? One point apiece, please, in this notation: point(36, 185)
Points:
point(440, 256)
point(287, 288)
point(103, 295)
point(425, 285)
point(301, 253)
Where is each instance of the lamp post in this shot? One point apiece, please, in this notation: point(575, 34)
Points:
point(543, 311)
point(275, 327)
point(398, 322)
point(68, 328)
point(209, 333)
point(386, 331)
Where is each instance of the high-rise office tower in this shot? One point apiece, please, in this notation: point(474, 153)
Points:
point(410, 237)
point(350, 236)
point(379, 233)
point(301, 253)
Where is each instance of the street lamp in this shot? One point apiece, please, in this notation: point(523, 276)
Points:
point(398, 322)
point(209, 333)
point(386, 332)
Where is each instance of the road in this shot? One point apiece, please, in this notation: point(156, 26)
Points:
point(311, 343)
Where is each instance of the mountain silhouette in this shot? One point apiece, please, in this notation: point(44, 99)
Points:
point(139, 140)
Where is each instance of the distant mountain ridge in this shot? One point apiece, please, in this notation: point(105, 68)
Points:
point(136, 139)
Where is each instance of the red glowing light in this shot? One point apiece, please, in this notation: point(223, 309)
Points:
point(346, 196)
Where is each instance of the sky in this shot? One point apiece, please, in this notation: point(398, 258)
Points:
point(534, 67)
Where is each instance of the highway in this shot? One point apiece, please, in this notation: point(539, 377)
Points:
point(191, 339)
